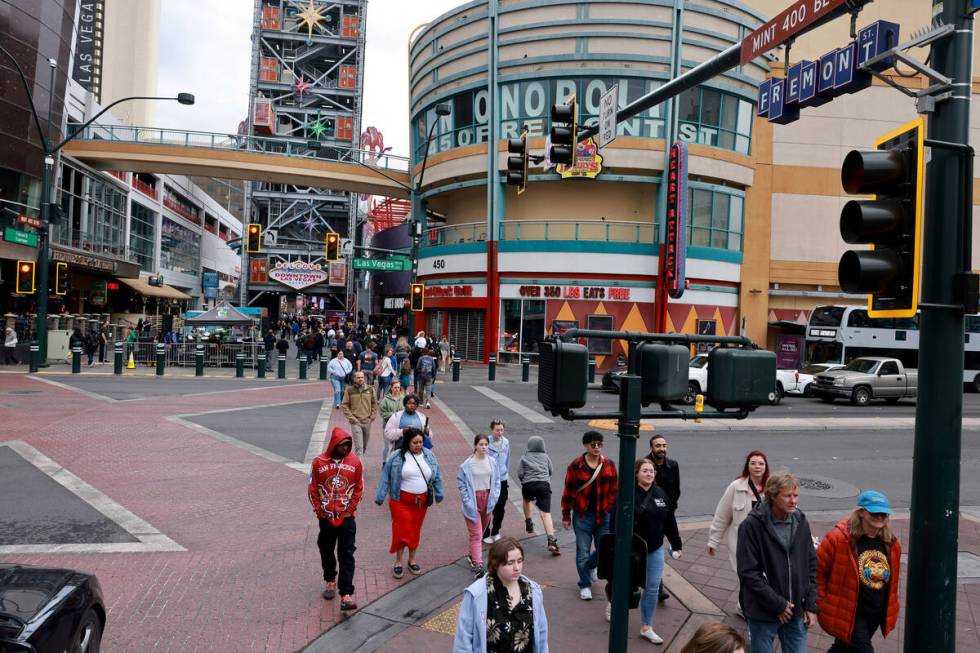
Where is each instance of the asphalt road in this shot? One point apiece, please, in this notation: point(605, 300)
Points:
point(125, 388)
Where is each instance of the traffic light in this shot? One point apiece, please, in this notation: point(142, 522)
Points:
point(61, 278)
point(417, 298)
point(253, 241)
point(663, 369)
point(564, 132)
point(517, 162)
point(563, 375)
point(25, 278)
point(741, 378)
point(333, 246)
point(891, 222)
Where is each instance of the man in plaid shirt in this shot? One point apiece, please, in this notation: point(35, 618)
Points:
point(590, 492)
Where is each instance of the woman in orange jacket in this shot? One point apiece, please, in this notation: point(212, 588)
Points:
point(857, 576)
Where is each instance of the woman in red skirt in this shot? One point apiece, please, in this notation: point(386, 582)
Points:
point(407, 476)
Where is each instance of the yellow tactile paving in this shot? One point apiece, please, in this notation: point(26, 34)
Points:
point(444, 622)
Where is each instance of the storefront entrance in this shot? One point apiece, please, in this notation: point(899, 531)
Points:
point(465, 332)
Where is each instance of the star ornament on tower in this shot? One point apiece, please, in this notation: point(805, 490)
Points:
point(301, 87)
point(311, 17)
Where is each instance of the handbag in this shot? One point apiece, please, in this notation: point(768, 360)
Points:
point(430, 493)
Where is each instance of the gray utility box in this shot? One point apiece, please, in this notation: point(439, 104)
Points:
point(663, 368)
point(741, 378)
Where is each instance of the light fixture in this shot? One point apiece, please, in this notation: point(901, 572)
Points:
point(185, 98)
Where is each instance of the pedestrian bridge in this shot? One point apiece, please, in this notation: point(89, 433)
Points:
point(230, 156)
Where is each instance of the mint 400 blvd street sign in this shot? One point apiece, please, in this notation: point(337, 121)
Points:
point(383, 264)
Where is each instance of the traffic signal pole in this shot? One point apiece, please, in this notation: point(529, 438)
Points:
point(930, 605)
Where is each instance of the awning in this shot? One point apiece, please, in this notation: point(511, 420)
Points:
point(144, 288)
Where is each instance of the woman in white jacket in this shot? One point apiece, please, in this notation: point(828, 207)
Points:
point(737, 502)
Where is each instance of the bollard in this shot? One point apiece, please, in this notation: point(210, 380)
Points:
point(323, 369)
point(76, 359)
point(199, 360)
point(591, 370)
point(455, 368)
point(302, 369)
point(492, 368)
point(240, 365)
point(282, 368)
point(35, 354)
point(117, 359)
point(161, 358)
point(261, 370)
point(525, 368)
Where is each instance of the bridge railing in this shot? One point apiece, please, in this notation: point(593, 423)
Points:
point(268, 144)
point(609, 231)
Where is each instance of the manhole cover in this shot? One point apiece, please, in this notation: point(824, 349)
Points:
point(814, 484)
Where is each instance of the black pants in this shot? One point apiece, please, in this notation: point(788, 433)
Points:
point(498, 511)
point(101, 352)
point(341, 537)
point(864, 628)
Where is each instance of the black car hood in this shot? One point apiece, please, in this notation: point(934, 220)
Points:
point(24, 591)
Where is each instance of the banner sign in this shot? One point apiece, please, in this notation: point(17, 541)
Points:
point(675, 249)
point(258, 270)
point(588, 161)
point(87, 65)
point(338, 273)
point(209, 279)
point(98, 293)
point(297, 274)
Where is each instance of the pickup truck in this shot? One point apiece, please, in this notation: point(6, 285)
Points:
point(864, 379)
point(697, 379)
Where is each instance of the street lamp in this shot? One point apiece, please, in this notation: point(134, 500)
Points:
point(46, 182)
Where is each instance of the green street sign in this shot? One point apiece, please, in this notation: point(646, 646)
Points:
point(397, 264)
point(19, 237)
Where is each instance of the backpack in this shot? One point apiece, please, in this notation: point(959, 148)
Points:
point(425, 367)
point(309, 342)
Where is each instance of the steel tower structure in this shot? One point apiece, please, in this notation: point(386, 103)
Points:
point(306, 86)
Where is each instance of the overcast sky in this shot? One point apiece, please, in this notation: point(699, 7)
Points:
point(205, 49)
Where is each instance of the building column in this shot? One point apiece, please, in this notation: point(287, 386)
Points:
point(495, 197)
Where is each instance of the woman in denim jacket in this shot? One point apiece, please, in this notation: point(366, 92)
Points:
point(479, 486)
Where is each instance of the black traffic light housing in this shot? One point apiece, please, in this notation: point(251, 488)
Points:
point(61, 278)
point(416, 298)
point(517, 162)
point(663, 369)
point(741, 378)
point(891, 222)
point(563, 375)
point(333, 246)
point(25, 278)
point(564, 132)
point(253, 238)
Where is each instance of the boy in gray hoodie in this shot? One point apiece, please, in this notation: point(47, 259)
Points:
point(534, 473)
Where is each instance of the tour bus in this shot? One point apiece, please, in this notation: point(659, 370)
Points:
point(839, 334)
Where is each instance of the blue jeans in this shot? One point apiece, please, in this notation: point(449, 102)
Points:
point(383, 383)
point(792, 636)
point(651, 591)
point(338, 390)
point(587, 534)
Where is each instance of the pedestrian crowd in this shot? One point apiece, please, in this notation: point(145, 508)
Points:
point(788, 580)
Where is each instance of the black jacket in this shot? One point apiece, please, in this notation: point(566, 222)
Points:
point(769, 575)
point(668, 478)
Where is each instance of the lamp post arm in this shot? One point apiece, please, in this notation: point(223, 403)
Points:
point(425, 159)
point(30, 99)
point(99, 115)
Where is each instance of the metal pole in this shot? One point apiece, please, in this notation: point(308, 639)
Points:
point(260, 367)
point(199, 360)
point(930, 607)
point(591, 369)
point(456, 361)
point(302, 369)
point(323, 368)
point(281, 371)
point(240, 365)
point(34, 358)
point(76, 359)
point(525, 368)
point(161, 358)
point(43, 255)
point(117, 358)
point(492, 368)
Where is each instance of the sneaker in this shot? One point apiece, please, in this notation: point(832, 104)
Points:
point(347, 602)
point(497, 537)
point(330, 591)
point(398, 572)
point(488, 539)
point(651, 636)
point(608, 611)
point(428, 405)
point(594, 575)
point(585, 594)
point(553, 546)
point(528, 525)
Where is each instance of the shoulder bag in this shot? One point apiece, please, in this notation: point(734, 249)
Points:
point(430, 493)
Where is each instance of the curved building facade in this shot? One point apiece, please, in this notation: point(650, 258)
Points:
point(504, 270)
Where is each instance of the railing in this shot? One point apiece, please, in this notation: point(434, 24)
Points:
point(608, 231)
point(145, 188)
point(267, 144)
point(184, 354)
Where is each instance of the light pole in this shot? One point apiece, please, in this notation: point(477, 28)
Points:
point(47, 177)
point(418, 206)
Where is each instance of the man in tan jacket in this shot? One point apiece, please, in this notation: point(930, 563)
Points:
point(360, 407)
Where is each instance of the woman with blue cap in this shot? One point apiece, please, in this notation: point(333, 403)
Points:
point(857, 576)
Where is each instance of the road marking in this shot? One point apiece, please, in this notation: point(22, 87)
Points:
point(65, 386)
point(319, 436)
point(235, 442)
point(507, 402)
point(249, 407)
point(150, 539)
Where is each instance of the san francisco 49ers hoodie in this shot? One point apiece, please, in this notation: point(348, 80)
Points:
point(336, 485)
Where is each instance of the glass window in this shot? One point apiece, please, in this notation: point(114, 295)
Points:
point(700, 208)
point(510, 334)
point(141, 235)
point(710, 107)
point(729, 112)
point(180, 248)
point(688, 106)
point(719, 220)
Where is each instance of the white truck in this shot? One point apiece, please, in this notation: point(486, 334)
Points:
point(697, 379)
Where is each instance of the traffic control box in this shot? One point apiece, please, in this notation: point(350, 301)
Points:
point(663, 369)
point(741, 378)
point(563, 375)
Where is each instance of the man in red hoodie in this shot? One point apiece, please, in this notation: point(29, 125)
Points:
point(336, 485)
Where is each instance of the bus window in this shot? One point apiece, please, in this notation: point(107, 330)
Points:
point(824, 352)
point(859, 319)
point(973, 323)
point(827, 316)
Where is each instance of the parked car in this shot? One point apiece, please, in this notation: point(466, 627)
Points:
point(802, 379)
point(612, 378)
point(864, 379)
point(697, 380)
point(47, 610)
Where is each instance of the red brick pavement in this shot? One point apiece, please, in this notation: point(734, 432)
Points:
point(250, 578)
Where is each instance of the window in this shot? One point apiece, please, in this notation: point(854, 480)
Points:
point(180, 248)
point(142, 227)
point(715, 219)
point(889, 367)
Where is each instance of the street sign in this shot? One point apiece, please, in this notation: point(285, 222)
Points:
point(795, 19)
point(398, 264)
point(608, 105)
point(18, 237)
point(210, 279)
point(675, 251)
point(30, 221)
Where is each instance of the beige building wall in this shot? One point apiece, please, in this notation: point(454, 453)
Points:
point(131, 57)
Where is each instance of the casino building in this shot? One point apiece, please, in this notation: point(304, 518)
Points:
point(503, 270)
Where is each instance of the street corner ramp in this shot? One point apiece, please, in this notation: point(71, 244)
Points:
point(47, 509)
point(283, 430)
